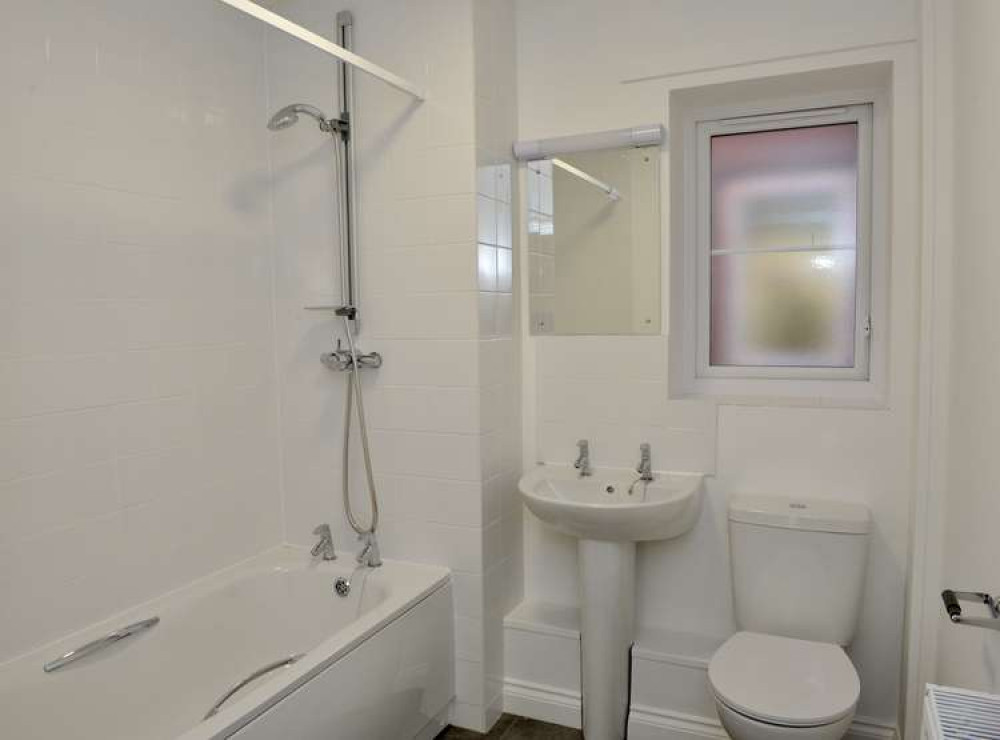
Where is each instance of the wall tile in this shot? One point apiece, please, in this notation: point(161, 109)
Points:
point(488, 268)
point(432, 409)
point(435, 500)
point(449, 456)
point(136, 292)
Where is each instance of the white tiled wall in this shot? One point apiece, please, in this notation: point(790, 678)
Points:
point(138, 429)
point(436, 302)
point(612, 391)
point(499, 356)
point(162, 408)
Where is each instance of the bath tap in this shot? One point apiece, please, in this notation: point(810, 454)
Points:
point(369, 555)
point(324, 548)
point(583, 459)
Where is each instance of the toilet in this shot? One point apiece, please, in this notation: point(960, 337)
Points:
point(798, 571)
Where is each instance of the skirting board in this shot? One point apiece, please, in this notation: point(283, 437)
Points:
point(541, 702)
point(561, 707)
point(651, 723)
point(433, 728)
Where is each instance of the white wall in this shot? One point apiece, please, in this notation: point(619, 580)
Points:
point(970, 657)
point(138, 430)
point(573, 59)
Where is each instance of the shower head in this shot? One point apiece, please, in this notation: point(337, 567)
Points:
point(289, 116)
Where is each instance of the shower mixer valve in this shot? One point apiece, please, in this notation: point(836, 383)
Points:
point(342, 361)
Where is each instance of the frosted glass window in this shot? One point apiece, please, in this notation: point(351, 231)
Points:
point(784, 245)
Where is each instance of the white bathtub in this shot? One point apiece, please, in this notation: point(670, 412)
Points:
point(377, 663)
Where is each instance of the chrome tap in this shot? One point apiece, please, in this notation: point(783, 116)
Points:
point(369, 556)
point(583, 459)
point(324, 548)
point(342, 360)
point(645, 466)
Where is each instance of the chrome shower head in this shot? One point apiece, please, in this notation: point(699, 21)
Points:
point(289, 116)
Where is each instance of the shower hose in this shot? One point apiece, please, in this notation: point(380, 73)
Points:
point(354, 393)
point(355, 397)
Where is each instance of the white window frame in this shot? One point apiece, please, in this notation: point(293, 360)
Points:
point(692, 376)
point(862, 116)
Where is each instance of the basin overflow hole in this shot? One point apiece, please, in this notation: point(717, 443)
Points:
point(609, 489)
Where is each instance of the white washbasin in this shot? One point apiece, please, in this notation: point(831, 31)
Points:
point(600, 507)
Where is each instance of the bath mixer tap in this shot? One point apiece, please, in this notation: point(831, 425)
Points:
point(645, 466)
point(324, 548)
point(369, 555)
point(583, 459)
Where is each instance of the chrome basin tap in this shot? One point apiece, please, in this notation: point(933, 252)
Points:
point(645, 466)
point(583, 459)
point(369, 555)
point(324, 548)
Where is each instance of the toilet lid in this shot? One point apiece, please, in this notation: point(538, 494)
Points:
point(781, 681)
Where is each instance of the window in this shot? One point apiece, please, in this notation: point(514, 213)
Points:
point(783, 223)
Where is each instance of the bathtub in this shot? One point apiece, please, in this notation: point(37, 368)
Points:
point(376, 662)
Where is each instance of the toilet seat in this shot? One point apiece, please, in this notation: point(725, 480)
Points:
point(784, 681)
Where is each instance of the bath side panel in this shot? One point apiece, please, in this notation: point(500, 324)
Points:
point(389, 687)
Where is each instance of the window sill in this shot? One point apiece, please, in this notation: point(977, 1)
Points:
point(839, 394)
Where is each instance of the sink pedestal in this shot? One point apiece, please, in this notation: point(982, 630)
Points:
point(608, 515)
point(607, 625)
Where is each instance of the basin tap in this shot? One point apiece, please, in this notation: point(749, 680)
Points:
point(583, 459)
point(324, 548)
point(645, 466)
point(369, 555)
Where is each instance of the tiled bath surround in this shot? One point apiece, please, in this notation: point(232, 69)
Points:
point(435, 243)
point(163, 412)
point(138, 433)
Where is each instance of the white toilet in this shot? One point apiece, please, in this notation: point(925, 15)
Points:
point(798, 568)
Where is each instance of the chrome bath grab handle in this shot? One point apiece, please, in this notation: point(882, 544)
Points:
point(100, 643)
point(250, 679)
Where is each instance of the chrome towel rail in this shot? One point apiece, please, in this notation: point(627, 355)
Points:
point(250, 679)
point(100, 643)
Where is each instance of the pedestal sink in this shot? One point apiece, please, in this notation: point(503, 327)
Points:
point(609, 512)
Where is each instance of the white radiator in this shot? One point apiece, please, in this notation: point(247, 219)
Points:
point(957, 714)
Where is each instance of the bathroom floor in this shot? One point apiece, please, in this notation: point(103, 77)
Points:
point(511, 727)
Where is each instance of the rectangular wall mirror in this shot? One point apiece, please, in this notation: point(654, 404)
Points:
point(594, 242)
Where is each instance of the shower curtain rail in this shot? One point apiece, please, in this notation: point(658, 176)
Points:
point(323, 44)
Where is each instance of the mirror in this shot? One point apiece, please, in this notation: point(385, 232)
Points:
point(594, 242)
